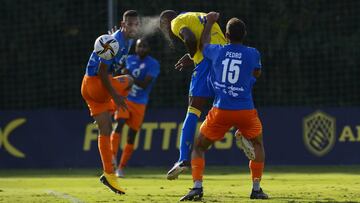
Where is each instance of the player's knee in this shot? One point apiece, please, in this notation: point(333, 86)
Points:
point(201, 144)
point(105, 130)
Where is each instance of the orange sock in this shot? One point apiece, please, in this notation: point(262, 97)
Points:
point(126, 154)
point(256, 169)
point(114, 140)
point(105, 153)
point(197, 167)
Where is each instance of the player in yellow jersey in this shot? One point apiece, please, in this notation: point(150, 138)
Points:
point(188, 27)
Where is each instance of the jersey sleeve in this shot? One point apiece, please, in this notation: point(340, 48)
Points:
point(107, 62)
point(257, 61)
point(154, 70)
point(176, 25)
point(211, 51)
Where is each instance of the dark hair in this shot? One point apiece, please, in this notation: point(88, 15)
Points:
point(130, 13)
point(168, 14)
point(144, 40)
point(236, 30)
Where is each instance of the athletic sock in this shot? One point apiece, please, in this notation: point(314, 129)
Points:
point(256, 169)
point(105, 153)
point(114, 140)
point(188, 133)
point(126, 154)
point(197, 184)
point(197, 169)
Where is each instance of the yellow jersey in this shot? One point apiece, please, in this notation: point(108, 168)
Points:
point(195, 21)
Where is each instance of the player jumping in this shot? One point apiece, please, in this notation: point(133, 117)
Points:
point(188, 27)
point(233, 67)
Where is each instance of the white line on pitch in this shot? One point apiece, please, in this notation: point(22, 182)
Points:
point(63, 196)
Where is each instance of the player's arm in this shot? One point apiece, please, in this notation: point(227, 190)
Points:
point(211, 18)
point(119, 100)
point(257, 73)
point(191, 45)
point(143, 83)
point(189, 39)
point(257, 70)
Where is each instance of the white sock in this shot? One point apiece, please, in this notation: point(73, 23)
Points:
point(256, 185)
point(198, 184)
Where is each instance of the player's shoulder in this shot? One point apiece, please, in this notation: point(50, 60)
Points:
point(188, 16)
point(119, 36)
point(251, 50)
point(254, 50)
point(131, 57)
point(152, 60)
point(215, 46)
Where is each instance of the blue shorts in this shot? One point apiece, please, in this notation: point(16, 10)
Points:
point(199, 85)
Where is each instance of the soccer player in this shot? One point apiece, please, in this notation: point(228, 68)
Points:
point(100, 91)
point(144, 69)
point(233, 66)
point(188, 27)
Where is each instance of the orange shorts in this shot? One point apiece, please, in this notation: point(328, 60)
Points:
point(219, 121)
point(133, 116)
point(97, 97)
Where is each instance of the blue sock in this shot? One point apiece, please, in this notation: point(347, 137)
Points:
point(187, 135)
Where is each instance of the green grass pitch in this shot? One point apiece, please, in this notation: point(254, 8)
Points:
point(221, 184)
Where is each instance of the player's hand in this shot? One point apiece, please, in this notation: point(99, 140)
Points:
point(184, 62)
point(212, 17)
point(120, 102)
point(113, 30)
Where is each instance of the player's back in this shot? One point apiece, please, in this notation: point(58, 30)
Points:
point(232, 74)
point(94, 60)
point(195, 21)
point(140, 68)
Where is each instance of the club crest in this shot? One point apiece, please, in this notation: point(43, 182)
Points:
point(319, 133)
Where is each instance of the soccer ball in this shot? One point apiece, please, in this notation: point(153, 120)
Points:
point(106, 46)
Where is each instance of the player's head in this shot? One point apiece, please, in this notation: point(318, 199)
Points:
point(142, 47)
point(235, 30)
point(130, 23)
point(165, 21)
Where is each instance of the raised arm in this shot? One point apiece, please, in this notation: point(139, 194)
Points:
point(189, 39)
point(211, 18)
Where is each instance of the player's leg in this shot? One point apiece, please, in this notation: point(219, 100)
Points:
point(256, 168)
point(250, 126)
point(127, 152)
point(137, 113)
point(212, 129)
point(199, 95)
point(198, 165)
point(187, 136)
point(105, 127)
point(99, 105)
point(122, 85)
point(115, 140)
